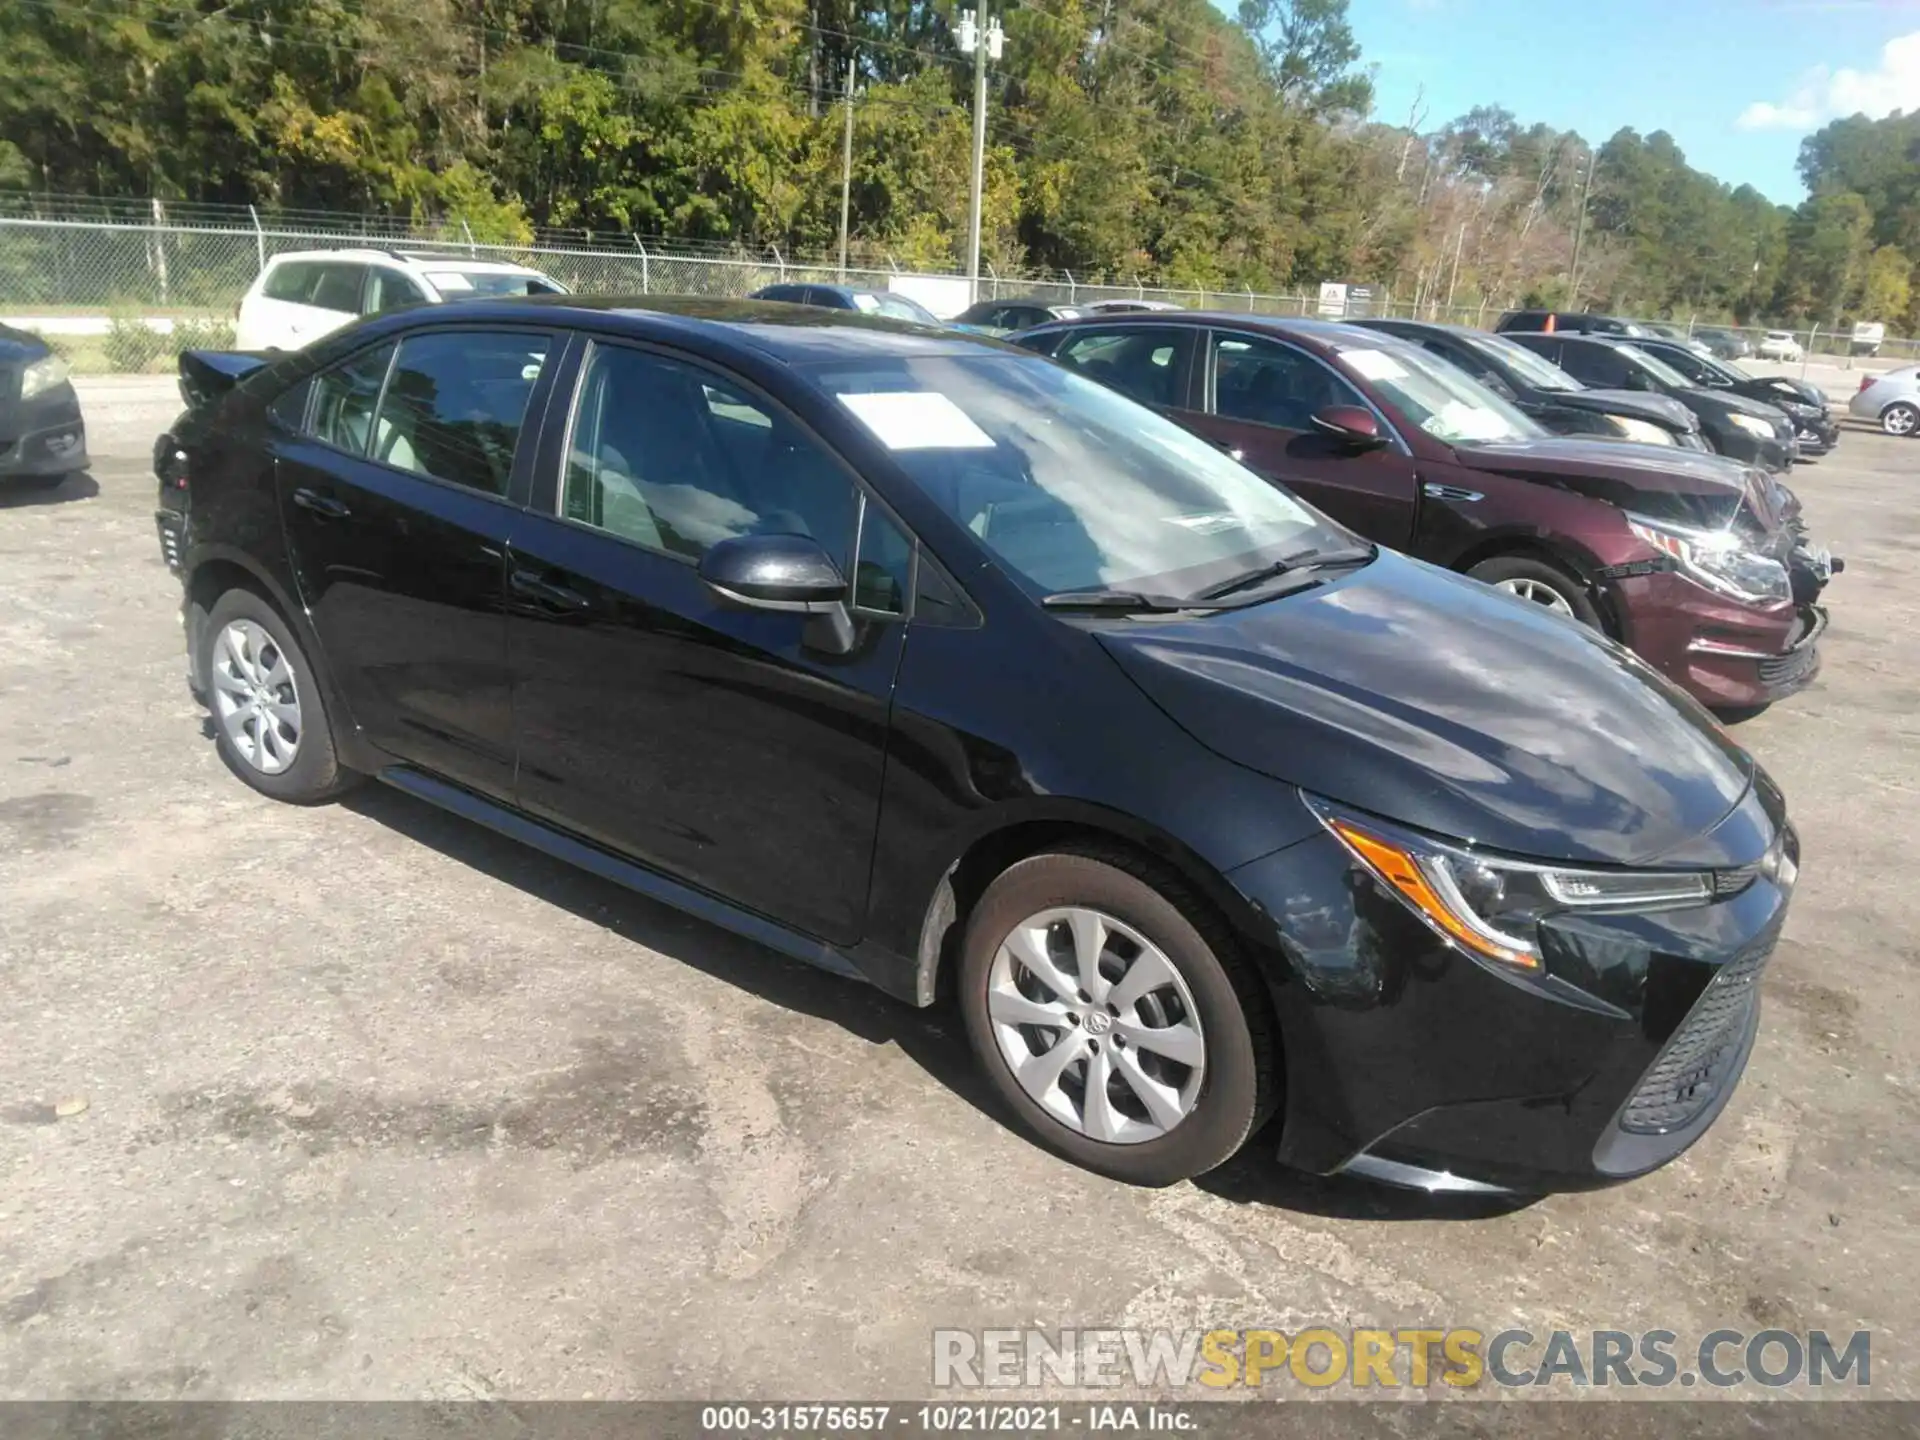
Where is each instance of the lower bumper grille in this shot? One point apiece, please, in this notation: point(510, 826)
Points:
point(1699, 1060)
point(169, 526)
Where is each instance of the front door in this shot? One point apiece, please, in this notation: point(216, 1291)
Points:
point(1261, 395)
point(717, 744)
point(398, 498)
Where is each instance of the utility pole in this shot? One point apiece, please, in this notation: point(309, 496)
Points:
point(1454, 279)
point(983, 40)
point(846, 172)
point(1580, 230)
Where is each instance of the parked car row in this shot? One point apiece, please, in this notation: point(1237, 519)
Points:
point(1083, 679)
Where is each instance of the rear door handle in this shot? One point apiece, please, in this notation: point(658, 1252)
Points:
point(320, 504)
point(532, 585)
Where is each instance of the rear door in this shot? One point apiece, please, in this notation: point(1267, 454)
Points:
point(1259, 396)
point(720, 745)
point(333, 300)
point(399, 495)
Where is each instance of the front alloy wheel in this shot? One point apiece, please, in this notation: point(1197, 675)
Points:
point(1097, 1026)
point(1900, 418)
point(1525, 587)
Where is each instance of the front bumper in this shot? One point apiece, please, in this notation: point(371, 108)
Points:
point(1773, 454)
point(1409, 1061)
point(44, 435)
point(1727, 654)
point(1815, 437)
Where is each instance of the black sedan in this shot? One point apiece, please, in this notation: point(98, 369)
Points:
point(927, 661)
point(1547, 394)
point(1733, 425)
point(42, 437)
point(1004, 317)
point(1815, 430)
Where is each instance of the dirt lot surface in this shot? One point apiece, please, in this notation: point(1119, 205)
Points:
point(379, 1104)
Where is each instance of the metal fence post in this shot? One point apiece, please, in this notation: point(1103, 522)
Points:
point(472, 251)
point(779, 260)
point(646, 279)
point(1072, 288)
point(259, 236)
point(993, 277)
point(1249, 290)
point(1813, 338)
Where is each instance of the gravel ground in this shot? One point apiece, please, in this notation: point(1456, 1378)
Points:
point(380, 1105)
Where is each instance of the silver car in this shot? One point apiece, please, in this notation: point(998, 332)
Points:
point(1891, 400)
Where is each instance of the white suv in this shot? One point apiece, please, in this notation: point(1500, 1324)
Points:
point(305, 294)
point(1779, 345)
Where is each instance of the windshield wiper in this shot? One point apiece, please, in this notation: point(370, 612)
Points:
point(1286, 564)
point(1120, 602)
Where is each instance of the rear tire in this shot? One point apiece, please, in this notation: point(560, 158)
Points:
point(1900, 419)
point(270, 719)
point(1541, 582)
point(1164, 1119)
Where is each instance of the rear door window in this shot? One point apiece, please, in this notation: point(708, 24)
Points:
point(388, 288)
point(344, 399)
point(1595, 365)
point(455, 403)
point(291, 281)
point(1145, 364)
point(339, 287)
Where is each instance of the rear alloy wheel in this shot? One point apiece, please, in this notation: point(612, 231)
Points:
point(270, 722)
point(1539, 582)
point(1900, 419)
point(1118, 1033)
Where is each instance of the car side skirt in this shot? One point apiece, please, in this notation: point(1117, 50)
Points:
point(516, 825)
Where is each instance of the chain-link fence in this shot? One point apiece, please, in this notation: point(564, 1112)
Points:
point(86, 273)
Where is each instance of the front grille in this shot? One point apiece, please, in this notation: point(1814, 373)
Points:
point(1700, 1057)
point(1785, 669)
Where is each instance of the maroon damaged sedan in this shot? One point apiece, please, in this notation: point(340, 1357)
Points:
point(1697, 563)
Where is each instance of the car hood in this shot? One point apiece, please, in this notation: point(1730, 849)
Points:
point(1690, 487)
point(1660, 409)
point(21, 346)
point(1728, 403)
point(1444, 704)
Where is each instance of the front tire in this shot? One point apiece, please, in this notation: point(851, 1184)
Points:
point(1542, 583)
point(1900, 419)
point(1115, 1017)
point(270, 720)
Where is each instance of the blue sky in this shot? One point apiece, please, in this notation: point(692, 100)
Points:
point(1737, 83)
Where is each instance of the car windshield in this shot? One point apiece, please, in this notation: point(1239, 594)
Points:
point(1703, 368)
point(487, 284)
point(1536, 370)
point(1659, 369)
point(1069, 485)
point(876, 302)
point(1445, 402)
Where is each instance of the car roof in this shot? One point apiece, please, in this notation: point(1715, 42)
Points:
point(794, 334)
point(1329, 334)
point(410, 259)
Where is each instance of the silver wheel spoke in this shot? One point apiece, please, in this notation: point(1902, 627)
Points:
point(1180, 1043)
point(1010, 1007)
point(1028, 945)
point(1148, 972)
point(1162, 1101)
point(288, 715)
point(1042, 1072)
point(1102, 1121)
point(276, 674)
point(231, 684)
point(234, 641)
point(1089, 939)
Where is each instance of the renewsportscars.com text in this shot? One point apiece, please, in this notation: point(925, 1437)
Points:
point(1319, 1357)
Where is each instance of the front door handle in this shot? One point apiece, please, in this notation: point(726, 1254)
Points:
point(320, 504)
point(532, 585)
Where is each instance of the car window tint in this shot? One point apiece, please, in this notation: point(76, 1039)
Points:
point(883, 566)
point(344, 399)
point(290, 409)
point(387, 288)
point(454, 406)
point(1273, 384)
point(671, 457)
point(292, 280)
point(338, 288)
point(1595, 365)
point(1142, 364)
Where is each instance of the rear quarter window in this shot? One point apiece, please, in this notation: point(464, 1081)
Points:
point(291, 280)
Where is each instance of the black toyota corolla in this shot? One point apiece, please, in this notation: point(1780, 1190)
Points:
point(924, 660)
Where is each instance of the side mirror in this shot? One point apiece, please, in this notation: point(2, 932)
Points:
point(789, 573)
point(1350, 423)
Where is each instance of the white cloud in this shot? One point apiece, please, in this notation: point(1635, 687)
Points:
point(1826, 94)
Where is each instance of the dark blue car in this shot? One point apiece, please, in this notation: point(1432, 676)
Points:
point(846, 297)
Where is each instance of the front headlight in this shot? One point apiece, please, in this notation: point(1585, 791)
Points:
point(42, 375)
point(1718, 559)
point(1753, 425)
point(1644, 431)
point(1491, 906)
